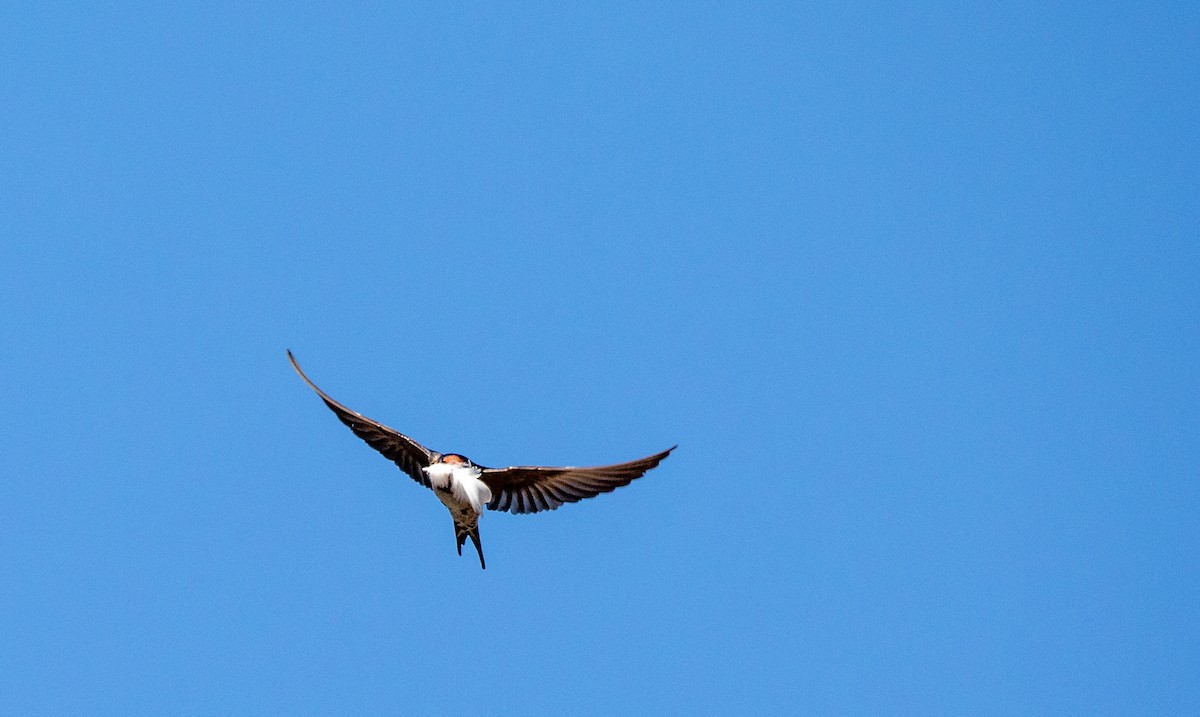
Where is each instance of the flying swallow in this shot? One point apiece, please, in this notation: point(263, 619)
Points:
point(465, 487)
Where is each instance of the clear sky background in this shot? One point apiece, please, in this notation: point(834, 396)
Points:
point(916, 289)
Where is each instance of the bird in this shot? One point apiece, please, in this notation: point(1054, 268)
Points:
point(466, 488)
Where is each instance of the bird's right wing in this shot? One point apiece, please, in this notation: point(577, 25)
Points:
point(529, 489)
point(394, 445)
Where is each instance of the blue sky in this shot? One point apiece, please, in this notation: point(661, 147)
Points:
point(914, 288)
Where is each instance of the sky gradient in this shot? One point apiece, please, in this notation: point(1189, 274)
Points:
point(914, 288)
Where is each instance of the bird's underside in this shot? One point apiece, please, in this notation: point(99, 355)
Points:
point(465, 487)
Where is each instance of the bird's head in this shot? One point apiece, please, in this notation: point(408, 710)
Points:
point(452, 460)
point(447, 464)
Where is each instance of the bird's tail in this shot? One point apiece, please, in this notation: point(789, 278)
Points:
point(468, 527)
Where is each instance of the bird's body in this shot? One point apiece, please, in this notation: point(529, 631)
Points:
point(455, 481)
point(466, 488)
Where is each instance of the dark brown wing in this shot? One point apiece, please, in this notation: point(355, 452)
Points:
point(394, 445)
point(528, 489)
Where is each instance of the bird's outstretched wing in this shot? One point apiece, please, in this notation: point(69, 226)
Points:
point(394, 445)
point(528, 489)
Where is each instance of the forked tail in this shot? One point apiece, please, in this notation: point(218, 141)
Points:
point(464, 529)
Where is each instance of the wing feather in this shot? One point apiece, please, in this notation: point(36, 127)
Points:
point(394, 445)
point(529, 489)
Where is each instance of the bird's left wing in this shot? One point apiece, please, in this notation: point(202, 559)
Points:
point(529, 489)
point(394, 445)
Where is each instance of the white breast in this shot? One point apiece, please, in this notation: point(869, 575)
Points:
point(462, 482)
